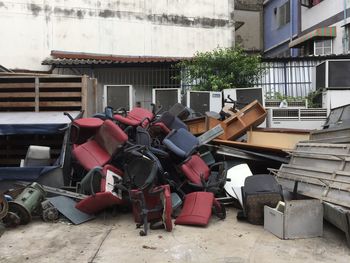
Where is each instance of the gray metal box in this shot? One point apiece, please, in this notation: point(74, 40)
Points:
point(296, 219)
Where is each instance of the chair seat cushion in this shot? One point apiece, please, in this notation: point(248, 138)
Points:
point(194, 168)
point(135, 117)
point(98, 202)
point(127, 120)
point(88, 122)
point(196, 210)
point(90, 154)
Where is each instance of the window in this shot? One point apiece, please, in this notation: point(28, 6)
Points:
point(283, 14)
point(323, 47)
point(310, 3)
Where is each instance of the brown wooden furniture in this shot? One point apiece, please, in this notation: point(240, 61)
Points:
point(250, 116)
point(196, 126)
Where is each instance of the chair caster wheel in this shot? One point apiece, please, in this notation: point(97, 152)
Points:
point(142, 233)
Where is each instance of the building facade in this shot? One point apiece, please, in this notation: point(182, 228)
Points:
point(118, 27)
point(281, 25)
point(324, 28)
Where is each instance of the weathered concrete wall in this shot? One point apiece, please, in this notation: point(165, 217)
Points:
point(249, 35)
point(249, 20)
point(30, 29)
point(249, 5)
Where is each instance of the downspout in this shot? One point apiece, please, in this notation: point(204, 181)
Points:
point(291, 25)
point(345, 35)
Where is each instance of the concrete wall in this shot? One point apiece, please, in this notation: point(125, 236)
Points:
point(30, 29)
point(249, 35)
point(277, 37)
point(249, 21)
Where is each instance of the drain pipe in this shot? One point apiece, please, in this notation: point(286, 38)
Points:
point(345, 35)
point(291, 25)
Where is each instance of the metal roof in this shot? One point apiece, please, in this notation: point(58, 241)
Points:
point(74, 58)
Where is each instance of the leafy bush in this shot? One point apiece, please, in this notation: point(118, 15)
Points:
point(221, 68)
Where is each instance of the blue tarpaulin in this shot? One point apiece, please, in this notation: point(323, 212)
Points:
point(12, 129)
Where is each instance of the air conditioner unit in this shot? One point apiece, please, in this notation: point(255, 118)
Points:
point(166, 97)
point(203, 101)
point(297, 104)
point(333, 78)
point(118, 96)
point(245, 96)
point(333, 74)
point(291, 118)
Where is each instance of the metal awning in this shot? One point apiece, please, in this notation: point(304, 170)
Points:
point(78, 58)
point(317, 33)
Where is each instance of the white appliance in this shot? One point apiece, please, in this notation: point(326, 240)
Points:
point(245, 96)
point(333, 78)
point(166, 97)
point(118, 96)
point(293, 118)
point(203, 101)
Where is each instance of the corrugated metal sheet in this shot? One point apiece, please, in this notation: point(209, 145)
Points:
point(73, 58)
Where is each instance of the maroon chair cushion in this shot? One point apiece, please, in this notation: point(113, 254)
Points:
point(196, 209)
point(167, 208)
point(110, 136)
point(90, 155)
point(83, 129)
point(88, 122)
point(98, 202)
point(103, 199)
point(135, 117)
point(193, 168)
point(98, 151)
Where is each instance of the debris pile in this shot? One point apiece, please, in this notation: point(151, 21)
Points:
point(176, 165)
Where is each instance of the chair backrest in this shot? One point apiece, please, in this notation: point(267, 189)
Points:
point(195, 168)
point(37, 156)
point(171, 121)
point(181, 142)
point(140, 114)
point(141, 172)
point(179, 111)
point(110, 136)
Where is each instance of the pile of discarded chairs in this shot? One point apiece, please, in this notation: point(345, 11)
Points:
point(147, 162)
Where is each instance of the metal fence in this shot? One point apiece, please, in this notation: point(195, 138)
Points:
point(281, 77)
point(287, 78)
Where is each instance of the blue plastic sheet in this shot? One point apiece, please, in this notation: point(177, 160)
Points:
point(12, 129)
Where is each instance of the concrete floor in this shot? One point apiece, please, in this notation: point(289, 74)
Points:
point(115, 239)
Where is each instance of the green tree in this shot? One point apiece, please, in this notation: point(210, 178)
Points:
point(221, 68)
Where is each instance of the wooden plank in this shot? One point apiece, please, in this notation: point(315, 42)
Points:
point(17, 85)
point(60, 104)
point(84, 90)
point(60, 85)
point(17, 94)
point(36, 94)
point(59, 94)
point(17, 104)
